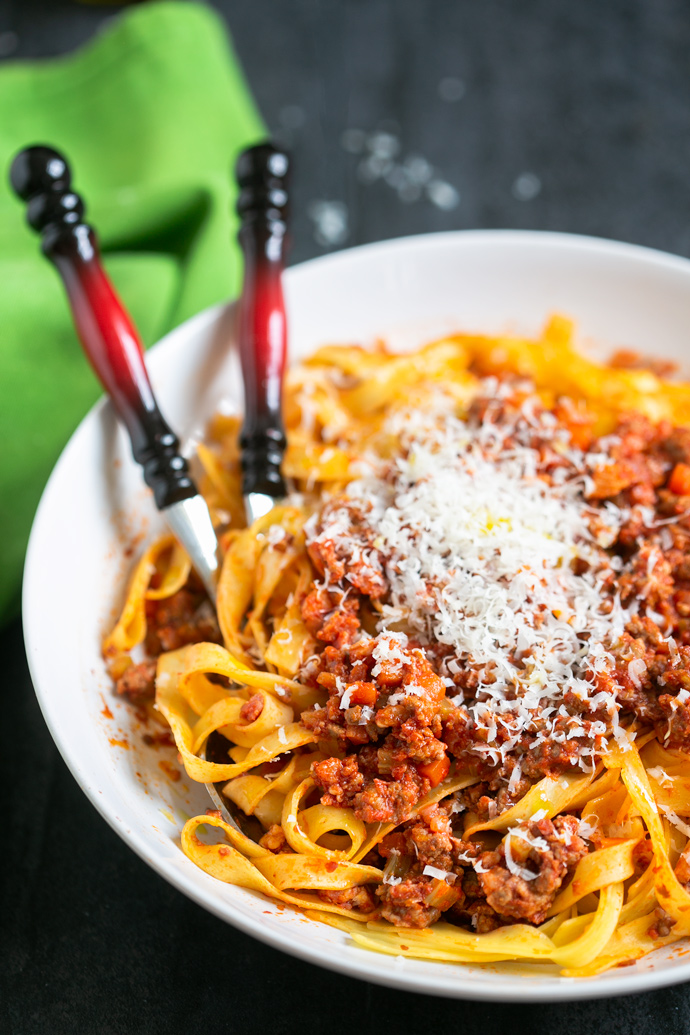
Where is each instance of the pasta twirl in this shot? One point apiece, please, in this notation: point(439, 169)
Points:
point(448, 686)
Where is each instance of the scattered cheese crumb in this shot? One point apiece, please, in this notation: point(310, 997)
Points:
point(434, 871)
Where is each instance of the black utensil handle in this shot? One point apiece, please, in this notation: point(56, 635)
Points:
point(42, 178)
point(262, 207)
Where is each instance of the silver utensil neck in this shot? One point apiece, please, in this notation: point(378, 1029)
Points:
point(217, 799)
point(222, 807)
point(256, 504)
point(191, 523)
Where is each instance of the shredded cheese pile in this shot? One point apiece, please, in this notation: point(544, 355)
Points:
point(491, 550)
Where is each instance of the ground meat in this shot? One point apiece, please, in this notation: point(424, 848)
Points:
point(473, 910)
point(429, 839)
point(406, 729)
point(413, 739)
point(340, 628)
point(643, 854)
point(342, 546)
point(682, 870)
point(507, 796)
point(482, 918)
point(360, 898)
point(185, 617)
point(648, 576)
point(638, 695)
point(388, 744)
point(410, 897)
point(674, 732)
point(640, 463)
point(315, 607)
point(512, 895)
point(390, 801)
point(458, 733)
point(138, 682)
point(340, 780)
point(611, 479)
point(333, 730)
point(274, 839)
point(331, 616)
point(252, 709)
point(487, 808)
point(405, 904)
point(547, 758)
point(337, 668)
point(677, 445)
point(662, 925)
point(551, 758)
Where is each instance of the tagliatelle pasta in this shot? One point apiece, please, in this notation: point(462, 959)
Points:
point(446, 693)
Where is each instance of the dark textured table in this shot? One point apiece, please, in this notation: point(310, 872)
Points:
point(545, 114)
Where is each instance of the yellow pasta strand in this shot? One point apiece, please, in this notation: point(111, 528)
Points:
point(671, 894)
point(583, 949)
point(315, 872)
point(179, 716)
point(303, 829)
point(378, 831)
point(225, 862)
point(613, 864)
point(550, 796)
point(130, 628)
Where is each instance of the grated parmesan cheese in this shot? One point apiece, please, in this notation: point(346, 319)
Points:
point(661, 776)
point(485, 557)
point(466, 857)
point(434, 871)
point(636, 670)
point(515, 778)
point(275, 534)
point(673, 818)
point(586, 829)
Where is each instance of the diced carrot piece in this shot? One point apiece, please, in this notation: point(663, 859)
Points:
point(435, 771)
point(433, 685)
point(363, 693)
point(679, 482)
point(578, 422)
point(580, 435)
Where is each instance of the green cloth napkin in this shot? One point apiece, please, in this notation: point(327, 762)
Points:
point(151, 115)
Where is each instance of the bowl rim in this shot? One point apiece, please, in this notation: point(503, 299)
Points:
point(515, 988)
point(528, 239)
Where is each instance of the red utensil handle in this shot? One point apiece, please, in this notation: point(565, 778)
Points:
point(42, 178)
point(262, 207)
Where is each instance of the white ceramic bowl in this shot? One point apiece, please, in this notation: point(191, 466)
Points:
point(95, 506)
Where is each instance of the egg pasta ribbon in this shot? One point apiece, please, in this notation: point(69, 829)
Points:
point(172, 668)
point(164, 557)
